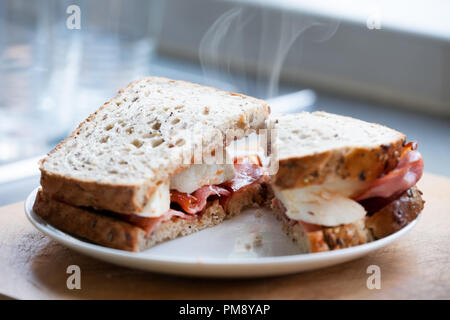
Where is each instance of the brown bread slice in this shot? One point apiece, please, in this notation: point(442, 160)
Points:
point(396, 214)
point(312, 147)
point(115, 233)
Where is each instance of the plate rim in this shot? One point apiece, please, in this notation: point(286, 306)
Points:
point(71, 241)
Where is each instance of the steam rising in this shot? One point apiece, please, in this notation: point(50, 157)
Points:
point(255, 41)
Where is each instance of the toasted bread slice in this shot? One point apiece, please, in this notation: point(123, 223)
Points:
point(313, 147)
point(115, 233)
point(117, 157)
point(396, 214)
point(112, 232)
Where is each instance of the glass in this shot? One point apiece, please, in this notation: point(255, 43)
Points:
point(53, 74)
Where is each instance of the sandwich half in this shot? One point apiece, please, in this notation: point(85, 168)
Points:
point(342, 182)
point(151, 165)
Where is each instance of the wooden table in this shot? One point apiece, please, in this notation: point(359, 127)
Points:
point(417, 266)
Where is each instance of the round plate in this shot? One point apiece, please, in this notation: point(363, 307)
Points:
point(249, 245)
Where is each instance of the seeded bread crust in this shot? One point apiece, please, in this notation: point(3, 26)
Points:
point(132, 196)
point(331, 238)
point(352, 162)
point(124, 198)
point(326, 239)
point(84, 223)
point(396, 214)
point(114, 233)
point(382, 223)
point(358, 164)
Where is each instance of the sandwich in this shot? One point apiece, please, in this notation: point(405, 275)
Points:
point(154, 164)
point(138, 171)
point(342, 182)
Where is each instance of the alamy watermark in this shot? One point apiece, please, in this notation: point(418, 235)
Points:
point(74, 280)
point(373, 21)
point(374, 280)
point(73, 21)
point(206, 145)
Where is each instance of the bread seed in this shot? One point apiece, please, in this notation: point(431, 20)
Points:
point(362, 176)
point(157, 142)
point(137, 143)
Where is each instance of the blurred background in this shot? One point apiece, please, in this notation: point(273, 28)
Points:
point(381, 61)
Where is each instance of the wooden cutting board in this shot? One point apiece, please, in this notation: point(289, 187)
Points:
point(416, 267)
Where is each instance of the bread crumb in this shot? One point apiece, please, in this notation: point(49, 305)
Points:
point(257, 241)
point(258, 213)
point(248, 246)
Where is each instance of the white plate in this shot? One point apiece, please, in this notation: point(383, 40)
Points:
point(226, 250)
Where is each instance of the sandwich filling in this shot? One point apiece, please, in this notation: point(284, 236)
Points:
point(405, 175)
point(198, 181)
point(187, 194)
point(320, 205)
point(337, 202)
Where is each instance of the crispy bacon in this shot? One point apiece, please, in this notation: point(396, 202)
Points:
point(248, 171)
point(408, 171)
point(196, 202)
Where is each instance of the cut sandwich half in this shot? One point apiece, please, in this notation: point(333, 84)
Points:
point(342, 182)
point(151, 165)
